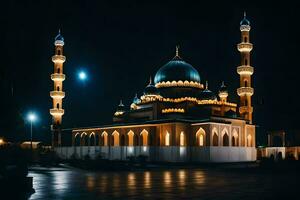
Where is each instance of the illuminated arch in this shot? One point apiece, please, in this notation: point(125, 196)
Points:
point(249, 141)
point(144, 135)
point(215, 137)
point(104, 136)
point(200, 135)
point(182, 139)
point(84, 139)
point(167, 139)
point(77, 139)
point(92, 139)
point(130, 136)
point(115, 138)
point(225, 137)
point(235, 138)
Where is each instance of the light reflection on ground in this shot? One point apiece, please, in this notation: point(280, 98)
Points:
point(159, 184)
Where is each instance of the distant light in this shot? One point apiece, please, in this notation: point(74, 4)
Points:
point(82, 75)
point(1, 141)
point(31, 117)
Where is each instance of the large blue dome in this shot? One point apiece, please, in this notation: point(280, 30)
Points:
point(177, 70)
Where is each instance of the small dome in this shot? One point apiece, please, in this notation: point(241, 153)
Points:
point(121, 107)
point(151, 89)
point(136, 100)
point(59, 37)
point(207, 94)
point(223, 87)
point(177, 70)
point(245, 21)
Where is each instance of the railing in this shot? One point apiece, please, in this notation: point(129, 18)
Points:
point(56, 111)
point(57, 94)
point(245, 70)
point(242, 91)
point(58, 58)
point(245, 47)
point(58, 77)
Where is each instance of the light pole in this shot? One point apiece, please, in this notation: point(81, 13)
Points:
point(31, 118)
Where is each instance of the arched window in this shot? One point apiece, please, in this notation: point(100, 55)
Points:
point(77, 139)
point(215, 139)
point(144, 135)
point(130, 138)
point(104, 138)
point(115, 138)
point(249, 140)
point(225, 140)
point(245, 39)
point(92, 139)
point(84, 139)
point(235, 138)
point(167, 139)
point(58, 52)
point(246, 62)
point(182, 139)
point(200, 137)
point(246, 83)
point(57, 88)
point(57, 105)
point(58, 70)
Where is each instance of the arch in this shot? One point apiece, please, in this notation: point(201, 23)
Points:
point(235, 138)
point(130, 136)
point(77, 139)
point(57, 105)
point(115, 138)
point(215, 138)
point(58, 70)
point(245, 39)
point(97, 140)
point(84, 139)
point(58, 52)
point(245, 83)
point(225, 140)
point(57, 88)
point(246, 62)
point(167, 139)
point(92, 139)
point(249, 140)
point(104, 136)
point(144, 135)
point(182, 139)
point(200, 137)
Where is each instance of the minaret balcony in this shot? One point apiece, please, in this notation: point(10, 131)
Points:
point(58, 77)
point(57, 112)
point(245, 70)
point(245, 109)
point(57, 94)
point(244, 47)
point(58, 59)
point(242, 91)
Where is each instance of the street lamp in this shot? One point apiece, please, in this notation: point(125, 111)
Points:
point(32, 118)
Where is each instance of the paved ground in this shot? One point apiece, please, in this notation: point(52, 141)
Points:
point(162, 184)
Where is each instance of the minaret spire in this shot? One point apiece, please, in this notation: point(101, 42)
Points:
point(150, 80)
point(206, 85)
point(57, 94)
point(177, 51)
point(245, 70)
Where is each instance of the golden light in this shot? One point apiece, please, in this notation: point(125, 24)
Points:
point(1, 141)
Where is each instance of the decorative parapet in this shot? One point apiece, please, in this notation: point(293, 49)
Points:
point(244, 47)
point(245, 70)
point(242, 91)
point(245, 109)
point(58, 59)
point(179, 84)
point(245, 28)
point(119, 113)
point(172, 110)
point(57, 111)
point(58, 77)
point(57, 94)
point(150, 98)
point(200, 102)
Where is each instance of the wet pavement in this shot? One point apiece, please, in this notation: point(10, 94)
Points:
point(63, 183)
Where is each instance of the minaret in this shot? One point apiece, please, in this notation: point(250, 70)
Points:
point(57, 94)
point(245, 91)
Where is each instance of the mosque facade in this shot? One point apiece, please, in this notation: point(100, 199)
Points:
point(177, 119)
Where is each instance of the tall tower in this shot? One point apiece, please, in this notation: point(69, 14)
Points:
point(57, 94)
point(245, 91)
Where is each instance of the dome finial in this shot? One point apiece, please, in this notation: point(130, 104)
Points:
point(177, 51)
point(59, 31)
point(150, 80)
point(223, 84)
point(121, 103)
point(206, 85)
point(245, 14)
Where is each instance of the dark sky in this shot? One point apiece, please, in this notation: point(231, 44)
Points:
point(122, 44)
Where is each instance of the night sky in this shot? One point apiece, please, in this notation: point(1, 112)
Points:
point(121, 44)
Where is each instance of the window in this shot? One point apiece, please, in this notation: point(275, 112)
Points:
point(115, 138)
point(58, 70)
point(225, 140)
point(167, 139)
point(130, 138)
point(144, 135)
point(200, 137)
point(57, 88)
point(245, 39)
point(57, 105)
point(104, 138)
point(246, 62)
point(181, 140)
point(249, 140)
point(58, 52)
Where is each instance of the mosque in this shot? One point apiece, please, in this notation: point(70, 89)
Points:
point(177, 119)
